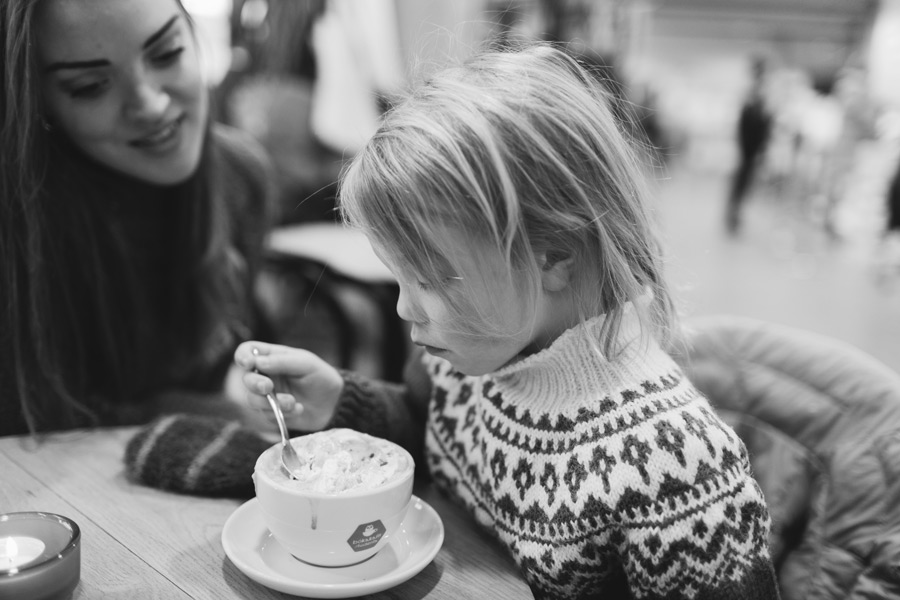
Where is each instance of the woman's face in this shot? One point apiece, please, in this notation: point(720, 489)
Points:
point(122, 79)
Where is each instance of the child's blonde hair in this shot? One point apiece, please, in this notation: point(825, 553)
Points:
point(518, 147)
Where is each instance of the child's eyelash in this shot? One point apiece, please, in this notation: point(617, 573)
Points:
point(428, 285)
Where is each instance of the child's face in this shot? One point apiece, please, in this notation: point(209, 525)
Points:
point(521, 326)
point(122, 79)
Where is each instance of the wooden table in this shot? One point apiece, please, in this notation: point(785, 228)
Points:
point(139, 542)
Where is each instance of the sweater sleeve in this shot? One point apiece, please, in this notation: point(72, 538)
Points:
point(392, 411)
point(712, 549)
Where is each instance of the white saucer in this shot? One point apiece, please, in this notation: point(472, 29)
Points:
point(260, 557)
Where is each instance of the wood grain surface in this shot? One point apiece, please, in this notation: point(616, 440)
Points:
point(139, 542)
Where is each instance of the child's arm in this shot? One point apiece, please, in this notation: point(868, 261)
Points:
point(392, 411)
point(317, 396)
point(714, 544)
point(166, 452)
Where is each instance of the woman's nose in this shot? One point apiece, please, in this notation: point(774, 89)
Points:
point(147, 101)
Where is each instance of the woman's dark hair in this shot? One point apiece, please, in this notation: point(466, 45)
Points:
point(68, 297)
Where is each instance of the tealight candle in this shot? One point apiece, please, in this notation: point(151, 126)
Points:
point(40, 556)
point(17, 551)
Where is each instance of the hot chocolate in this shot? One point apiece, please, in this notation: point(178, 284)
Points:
point(337, 461)
point(348, 501)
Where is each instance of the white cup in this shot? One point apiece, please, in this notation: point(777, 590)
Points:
point(353, 496)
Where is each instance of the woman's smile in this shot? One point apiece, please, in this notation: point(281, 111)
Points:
point(163, 139)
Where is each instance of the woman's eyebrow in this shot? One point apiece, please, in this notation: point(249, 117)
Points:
point(102, 62)
point(161, 32)
point(82, 64)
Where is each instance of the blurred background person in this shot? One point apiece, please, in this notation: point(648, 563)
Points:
point(892, 222)
point(754, 128)
point(857, 118)
point(820, 126)
point(889, 261)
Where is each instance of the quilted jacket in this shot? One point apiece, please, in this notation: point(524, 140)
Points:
point(821, 420)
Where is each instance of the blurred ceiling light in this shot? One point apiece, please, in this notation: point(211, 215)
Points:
point(253, 13)
point(213, 26)
point(208, 8)
point(884, 49)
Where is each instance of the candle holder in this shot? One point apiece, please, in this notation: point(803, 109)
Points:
point(40, 556)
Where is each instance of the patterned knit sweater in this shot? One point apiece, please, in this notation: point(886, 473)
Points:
point(602, 476)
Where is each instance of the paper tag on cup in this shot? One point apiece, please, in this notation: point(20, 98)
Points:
point(366, 536)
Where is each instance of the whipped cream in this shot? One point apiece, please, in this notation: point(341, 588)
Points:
point(337, 461)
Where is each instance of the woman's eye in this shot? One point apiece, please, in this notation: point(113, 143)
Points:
point(90, 90)
point(169, 57)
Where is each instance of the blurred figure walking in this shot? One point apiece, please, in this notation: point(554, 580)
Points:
point(888, 260)
point(753, 131)
point(892, 224)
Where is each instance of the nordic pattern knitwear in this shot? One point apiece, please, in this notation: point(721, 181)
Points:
point(600, 476)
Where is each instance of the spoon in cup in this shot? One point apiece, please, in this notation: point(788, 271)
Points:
point(290, 462)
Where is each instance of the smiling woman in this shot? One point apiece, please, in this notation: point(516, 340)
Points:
point(130, 226)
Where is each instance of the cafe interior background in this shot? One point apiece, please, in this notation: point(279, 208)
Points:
point(310, 77)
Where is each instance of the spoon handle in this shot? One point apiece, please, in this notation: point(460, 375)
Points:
point(285, 438)
point(289, 459)
point(273, 402)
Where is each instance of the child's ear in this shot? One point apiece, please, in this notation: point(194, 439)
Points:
point(556, 269)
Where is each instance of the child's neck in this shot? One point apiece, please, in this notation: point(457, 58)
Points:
point(557, 314)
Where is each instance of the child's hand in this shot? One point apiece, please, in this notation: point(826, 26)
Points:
point(307, 387)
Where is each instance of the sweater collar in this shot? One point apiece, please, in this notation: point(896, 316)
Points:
point(573, 370)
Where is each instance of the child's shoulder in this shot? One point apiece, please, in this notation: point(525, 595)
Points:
point(686, 453)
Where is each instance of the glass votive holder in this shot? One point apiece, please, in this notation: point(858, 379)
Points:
point(40, 556)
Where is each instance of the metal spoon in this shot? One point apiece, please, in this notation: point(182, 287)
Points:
point(290, 462)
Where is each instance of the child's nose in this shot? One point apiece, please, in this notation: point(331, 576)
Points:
point(407, 309)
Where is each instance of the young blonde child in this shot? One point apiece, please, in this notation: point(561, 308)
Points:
point(509, 206)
